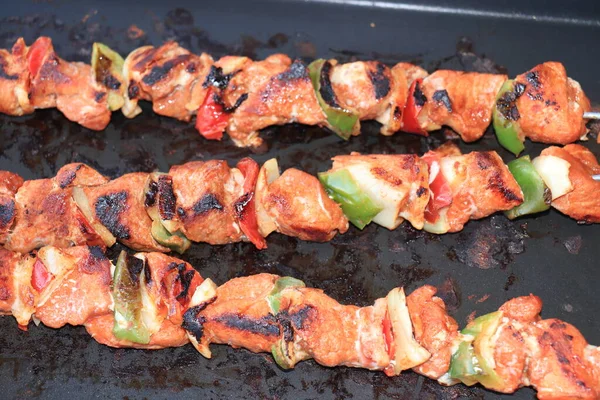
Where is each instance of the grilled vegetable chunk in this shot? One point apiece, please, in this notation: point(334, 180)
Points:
point(396, 184)
point(296, 204)
point(107, 70)
point(46, 213)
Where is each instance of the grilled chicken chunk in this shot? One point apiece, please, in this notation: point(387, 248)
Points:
point(68, 86)
point(434, 329)
point(205, 210)
point(17, 297)
point(296, 204)
point(481, 185)
point(582, 202)
point(274, 91)
point(169, 76)
point(79, 290)
point(47, 215)
point(397, 183)
point(14, 80)
point(118, 206)
point(461, 100)
point(9, 184)
point(552, 105)
point(241, 315)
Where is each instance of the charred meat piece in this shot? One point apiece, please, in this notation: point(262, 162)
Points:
point(267, 313)
point(205, 194)
point(296, 204)
point(581, 201)
point(481, 185)
point(402, 76)
point(68, 86)
point(552, 105)
point(363, 87)
point(274, 91)
point(169, 76)
point(118, 206)
point(461, 100)
point(46, 213)
point(9, 184)
point(14, 80)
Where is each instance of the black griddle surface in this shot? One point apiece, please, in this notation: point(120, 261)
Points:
point(476, 270)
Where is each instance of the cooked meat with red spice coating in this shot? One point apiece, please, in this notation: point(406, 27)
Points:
point(481, 185)
point(274, 91)
point(169, 334)
point(47, 215)
point(119, 206)
point(581, 203)
point(363, 87)
point(552, 105)
point(461, 100)
point(169, 76)
point(83, 292)
point(9, 184)
point(14, 80)
point(241, 316)
point(557, 365)
point(205, 208)
point(296, 204)
point(17, 297)
point(68, 86)
point(434, 329)
point(411, 71)
point(8, 277)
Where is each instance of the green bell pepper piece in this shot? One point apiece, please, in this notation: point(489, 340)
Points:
point(107, 67)
point(274, 298)
point(537, 196)
point(280, 352)
point(464, 366)
point(128, 300)
point(176, 242)
point(505, 118)
point(356, 205)
point(340, 121)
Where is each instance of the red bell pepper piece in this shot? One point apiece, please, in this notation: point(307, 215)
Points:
point(441, 194)
point(212, 119)
point(388, 336)
point(245, 207)
point(412, 108)
point(40, 277)
point(36, 54)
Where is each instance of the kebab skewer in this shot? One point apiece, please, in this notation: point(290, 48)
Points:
point(241, 96)
point(153, 301)
point(209, 201)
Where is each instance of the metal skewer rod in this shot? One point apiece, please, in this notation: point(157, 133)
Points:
point(596, 177)
point(591, 115)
